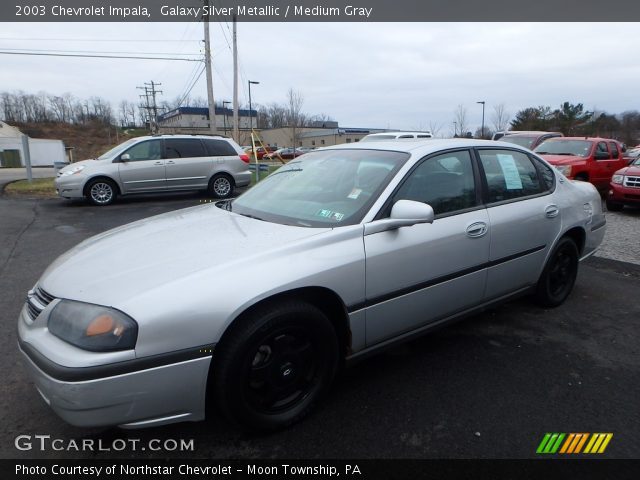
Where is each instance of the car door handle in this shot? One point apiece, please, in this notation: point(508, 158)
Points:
point(158, 163)
point(551, 211)
point(170, 162)
point(477, 230)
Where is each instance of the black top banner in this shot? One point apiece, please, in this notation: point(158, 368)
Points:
point(320, 10)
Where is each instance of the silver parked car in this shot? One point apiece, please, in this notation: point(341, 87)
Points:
point(161, 163)
point(335, 255)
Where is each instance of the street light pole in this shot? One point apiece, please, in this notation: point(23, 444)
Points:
point(455, 129)
point(251, 82)
point(482, 128)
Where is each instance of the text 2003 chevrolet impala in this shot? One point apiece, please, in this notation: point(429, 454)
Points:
point(253, 304)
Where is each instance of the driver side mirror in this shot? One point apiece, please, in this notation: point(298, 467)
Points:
point(125, 157)
point(404, 213)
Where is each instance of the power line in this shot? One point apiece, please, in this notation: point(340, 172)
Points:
point(41, 50)
point(119, 40)
point(4, 52)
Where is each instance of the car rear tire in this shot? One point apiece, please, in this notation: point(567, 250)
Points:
point(221, 186)
point(273, 365)
point(614, 206)
point(101, 192)
point(559, 274)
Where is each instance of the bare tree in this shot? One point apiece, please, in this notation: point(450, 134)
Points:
point(460, 118)
point(500, 118)
point(295, 117)
point(435, 127)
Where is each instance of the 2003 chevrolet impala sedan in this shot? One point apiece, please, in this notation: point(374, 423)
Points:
point(252, 305)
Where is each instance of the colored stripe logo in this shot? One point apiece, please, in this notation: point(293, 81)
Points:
point(573, 443)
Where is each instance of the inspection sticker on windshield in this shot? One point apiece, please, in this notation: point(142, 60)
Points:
point(355, 193)
point(510, 170)
point(330, 214)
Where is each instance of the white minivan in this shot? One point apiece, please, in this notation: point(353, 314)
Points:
point(374, 137)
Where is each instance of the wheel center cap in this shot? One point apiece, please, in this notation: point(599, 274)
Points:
point(286, 371)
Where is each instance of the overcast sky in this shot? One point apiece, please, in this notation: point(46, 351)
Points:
point(384, 75)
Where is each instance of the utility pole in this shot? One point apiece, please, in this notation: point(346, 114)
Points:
point(482, 128)
point(207, 63)
point(236, 124)
point(150, 105)
point(224, 111)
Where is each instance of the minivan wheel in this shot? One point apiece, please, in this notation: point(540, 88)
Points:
point(221, 186)
point(273, 366)
point(101, 192)
point(559, 274)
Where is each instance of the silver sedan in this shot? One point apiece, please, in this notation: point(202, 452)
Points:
point(251, 305)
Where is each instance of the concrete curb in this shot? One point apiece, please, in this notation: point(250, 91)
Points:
point(3, 185)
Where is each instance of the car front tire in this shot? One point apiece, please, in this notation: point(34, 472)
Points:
point(613, 206)
point(101, 192)
point(559, 274)
point(274, 364)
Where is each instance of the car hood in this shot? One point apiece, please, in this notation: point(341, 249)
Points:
point(124, 262)
point(86, 163)
point(630, 170)
point(563, 159)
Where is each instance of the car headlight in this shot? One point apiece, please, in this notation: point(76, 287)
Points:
point(564, 169)
point(72, 170)
point(93, 327)
point(617, 179)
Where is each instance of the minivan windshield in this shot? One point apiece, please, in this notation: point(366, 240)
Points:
point(327, 188)
point(115, 151)
point(580, 148)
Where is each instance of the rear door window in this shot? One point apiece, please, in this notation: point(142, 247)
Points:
point(183, 148)
point(509, 175)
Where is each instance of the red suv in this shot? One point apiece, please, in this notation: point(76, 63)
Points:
point(589, 159)
point(625, 187)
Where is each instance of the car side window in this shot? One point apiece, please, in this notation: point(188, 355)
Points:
point(220, 148)
point(148, 150)
point(445, 182)
point(614, 150)
point(183, 148)
point(601, 148)
point(546, 174)
point(509, 175)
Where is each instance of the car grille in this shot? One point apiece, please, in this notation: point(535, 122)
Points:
point(632, 182)
point(37, 301)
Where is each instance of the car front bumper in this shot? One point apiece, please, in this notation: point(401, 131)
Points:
point(146, 397)
point(626, 195)
point(71, 186)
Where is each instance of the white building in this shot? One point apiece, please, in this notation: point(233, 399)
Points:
point(43, 152)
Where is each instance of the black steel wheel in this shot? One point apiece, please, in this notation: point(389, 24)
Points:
point(272, 366)
point(559, 275)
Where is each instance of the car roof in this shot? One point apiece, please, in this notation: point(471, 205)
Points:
point(180, 136)
point(590, 139)
point(423, 146)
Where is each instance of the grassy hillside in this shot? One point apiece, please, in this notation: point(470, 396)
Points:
point(89, 140)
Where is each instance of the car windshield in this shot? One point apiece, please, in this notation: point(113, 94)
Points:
point(115, 151)
point(637, 162)
point(523, 141)
point(579, 148)
point(328, 188)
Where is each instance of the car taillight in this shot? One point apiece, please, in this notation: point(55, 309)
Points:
point(244, 157)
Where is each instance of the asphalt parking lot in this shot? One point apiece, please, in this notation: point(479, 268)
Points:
point(488, 387)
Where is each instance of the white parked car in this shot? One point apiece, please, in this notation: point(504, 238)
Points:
point(377, 137)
